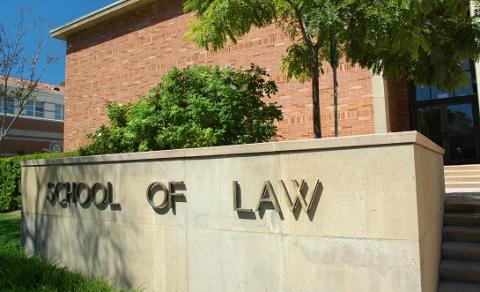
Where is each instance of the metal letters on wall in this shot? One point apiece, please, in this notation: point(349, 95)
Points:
point(169, 194)
point(268, 196)
point(66, 194)
point(162, 198)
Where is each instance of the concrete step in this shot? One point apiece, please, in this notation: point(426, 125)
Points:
point(452, 286)
point(468, 172)
point(461, 233)
point(467, 251)
point(462, 167)
point(450, 173)
point(462, 185)
point(463, 178)
point(464, 271)
point(462, 219)
point(462, 204)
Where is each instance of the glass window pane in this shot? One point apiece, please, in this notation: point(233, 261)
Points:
point(423, 93)
point(39, 109)
point(58, 112)
point(429, 120)
point(465, 90)
point(29, 109)
point(437, 93)
point(56, 147)
point(10, 106)
point(461, 131)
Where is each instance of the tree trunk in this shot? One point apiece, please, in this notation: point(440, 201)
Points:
point(333, 62)
point(317, 126)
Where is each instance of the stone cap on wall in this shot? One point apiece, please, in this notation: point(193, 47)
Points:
point(363, 141)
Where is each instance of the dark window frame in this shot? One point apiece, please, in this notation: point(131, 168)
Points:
point(414, 104)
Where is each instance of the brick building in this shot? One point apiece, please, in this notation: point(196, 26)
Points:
point(119, 51)
point(40, 126)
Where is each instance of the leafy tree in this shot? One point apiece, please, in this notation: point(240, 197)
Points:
point(219, 21)
point(194, 107)
point(424, 41)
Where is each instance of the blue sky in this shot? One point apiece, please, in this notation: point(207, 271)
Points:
point(58, 12)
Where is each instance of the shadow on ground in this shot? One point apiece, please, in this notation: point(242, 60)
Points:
point(20, 272)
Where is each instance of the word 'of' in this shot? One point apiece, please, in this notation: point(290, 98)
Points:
point(168, 194)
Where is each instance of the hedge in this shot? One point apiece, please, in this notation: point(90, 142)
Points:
point(10, 176)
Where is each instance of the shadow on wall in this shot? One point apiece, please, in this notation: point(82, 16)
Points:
point(80, 238)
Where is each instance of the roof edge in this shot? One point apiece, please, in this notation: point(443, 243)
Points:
point(96, 17)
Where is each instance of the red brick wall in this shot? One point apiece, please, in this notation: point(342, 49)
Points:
point(37, 125)
point(122, 58)
point(399, 110)
point(14, 144)
point(23, 145)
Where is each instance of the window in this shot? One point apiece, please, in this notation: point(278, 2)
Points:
point(35, 109)
point(39, 109)
point(29, 109)
point(59, 112)
point(427, 93)
point(56, 147)
point(10, 106)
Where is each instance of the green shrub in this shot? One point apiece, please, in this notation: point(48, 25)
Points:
point(10, 176)
point(194, 107)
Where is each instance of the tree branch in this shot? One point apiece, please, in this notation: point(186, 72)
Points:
point(26, 68)
point(306, 37)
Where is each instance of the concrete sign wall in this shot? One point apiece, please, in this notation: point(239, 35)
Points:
point(347, 214)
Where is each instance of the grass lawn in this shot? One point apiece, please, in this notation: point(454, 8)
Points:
point(19, 272)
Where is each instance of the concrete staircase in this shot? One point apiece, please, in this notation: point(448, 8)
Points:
point(460, 265)
point(462, 178)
